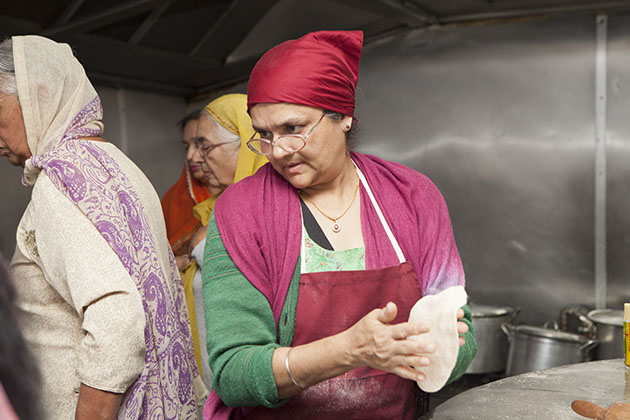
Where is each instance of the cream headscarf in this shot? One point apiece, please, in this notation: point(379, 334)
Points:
point(60, 106)
point(53, 91)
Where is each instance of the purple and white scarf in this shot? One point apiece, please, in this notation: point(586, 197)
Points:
point(94, 182)
point(59, 106)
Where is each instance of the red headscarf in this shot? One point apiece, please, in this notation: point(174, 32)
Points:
point(321, 70)
point(177, 206)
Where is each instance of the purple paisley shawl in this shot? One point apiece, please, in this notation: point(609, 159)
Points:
point(95, 183)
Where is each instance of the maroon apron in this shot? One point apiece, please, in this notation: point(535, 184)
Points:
point(331, 302)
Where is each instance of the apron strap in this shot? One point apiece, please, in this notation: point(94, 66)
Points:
point(388, 231)
point(390, 235)
point(302, 247)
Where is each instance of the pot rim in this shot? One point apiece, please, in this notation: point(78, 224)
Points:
point(613, 317)
point(489, 311)
point(549, 333)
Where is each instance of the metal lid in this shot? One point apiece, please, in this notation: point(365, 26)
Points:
point(485, 311)
point(607, 316)
point(549, 333)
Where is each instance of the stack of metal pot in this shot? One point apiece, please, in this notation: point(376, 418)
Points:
point(539, 348)
point(492, 343)
point(515, 349)
point(608, 332)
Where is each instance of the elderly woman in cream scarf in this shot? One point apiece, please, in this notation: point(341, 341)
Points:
point(99, 295)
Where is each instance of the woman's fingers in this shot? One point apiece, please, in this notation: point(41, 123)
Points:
point(375, 342)
point(182, 261)
point(460, 314)
point(410, 373)
point(462, 327)
point(388, 313)
point(407, 329)
point(417, 361)
point(414, 347)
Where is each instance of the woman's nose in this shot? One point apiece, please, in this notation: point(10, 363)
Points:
point(197, 155)
point(277, 152)
point(190, 151)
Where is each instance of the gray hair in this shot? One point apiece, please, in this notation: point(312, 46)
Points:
point(225, 134)
point(193, 116)
point(7, 69)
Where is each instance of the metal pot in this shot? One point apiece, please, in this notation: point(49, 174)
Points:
point(492, 343)
point(609, 333)
point(535, 348)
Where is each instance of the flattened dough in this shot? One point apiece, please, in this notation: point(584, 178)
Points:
point(440, 312)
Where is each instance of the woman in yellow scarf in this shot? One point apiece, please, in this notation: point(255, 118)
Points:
point(222, 135)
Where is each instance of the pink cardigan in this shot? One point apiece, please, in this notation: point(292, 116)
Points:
point(260, 223)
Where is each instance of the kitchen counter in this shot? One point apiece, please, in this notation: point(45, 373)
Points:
point(540, 395)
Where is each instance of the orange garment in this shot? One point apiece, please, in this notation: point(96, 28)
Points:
point(177, 206)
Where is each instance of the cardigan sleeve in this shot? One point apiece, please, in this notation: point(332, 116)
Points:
point(467, 351)
point(241, 331)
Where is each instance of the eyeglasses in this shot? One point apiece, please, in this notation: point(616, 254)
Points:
point(292, 143)
point(202, 143)
point(206, 148)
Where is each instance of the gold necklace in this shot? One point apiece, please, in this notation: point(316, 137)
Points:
point(335, 226)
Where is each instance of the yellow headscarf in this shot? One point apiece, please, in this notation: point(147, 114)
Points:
point(231, 112)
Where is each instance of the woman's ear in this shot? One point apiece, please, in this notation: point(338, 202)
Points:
point(346, 123)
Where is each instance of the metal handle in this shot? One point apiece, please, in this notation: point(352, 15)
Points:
point(588, 328)
point(508, 330)
point(514, 315)
point(588, 345)
point(553, 323)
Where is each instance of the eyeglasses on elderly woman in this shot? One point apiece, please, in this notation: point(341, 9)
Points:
point(290, 143)
point(206, 147)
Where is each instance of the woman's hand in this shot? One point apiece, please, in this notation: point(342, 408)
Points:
point(462, 327)
point(181, 261)
point(374, 342)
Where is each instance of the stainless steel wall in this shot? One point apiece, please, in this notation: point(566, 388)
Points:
point(618, 167)
point(502, 119)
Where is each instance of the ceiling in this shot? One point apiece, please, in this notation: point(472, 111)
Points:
point(191, 47)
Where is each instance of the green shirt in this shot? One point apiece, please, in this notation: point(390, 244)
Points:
point(241, 330)
point(318, 259)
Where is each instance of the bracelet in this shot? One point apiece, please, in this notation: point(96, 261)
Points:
point(286, 364)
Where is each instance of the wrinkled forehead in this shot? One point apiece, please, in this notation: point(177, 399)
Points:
point(11, 117)
point(207, 129)
point(270, 116)
point(190, 130)
point(211, 132)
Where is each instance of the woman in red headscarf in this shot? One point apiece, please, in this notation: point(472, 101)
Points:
point(190, 189)
point(308, 283)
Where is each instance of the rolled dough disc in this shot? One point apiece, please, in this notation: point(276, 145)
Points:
point(440, 312)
